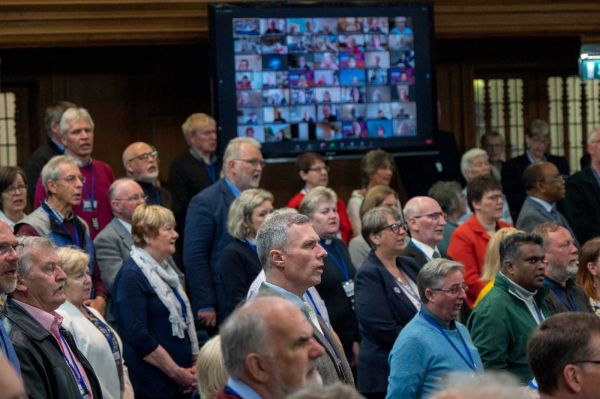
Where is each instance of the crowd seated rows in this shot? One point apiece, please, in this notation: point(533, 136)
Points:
point(197, 287)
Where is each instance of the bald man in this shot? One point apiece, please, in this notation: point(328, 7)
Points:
point(426, 222)
point(141, 163)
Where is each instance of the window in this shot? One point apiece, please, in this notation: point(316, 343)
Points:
point(8, 137)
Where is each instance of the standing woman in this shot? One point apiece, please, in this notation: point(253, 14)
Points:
point(98, 342)
point(387, 297)
point(239, 264)
point(337, 281)
point(153, 312)
point(588, 274)
point(13, 186)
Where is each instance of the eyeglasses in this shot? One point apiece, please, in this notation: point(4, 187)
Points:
point(136, 197)
point(454, 290)
point(319, 169)
point(145, 156)
point(14, 189)
point(586, 361)
point(435, 216)
point(5, 248)
point(253, 162)
point(72, 179)
point(495, 197)
point(395, 227)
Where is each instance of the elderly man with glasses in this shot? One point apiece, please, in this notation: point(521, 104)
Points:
point(55, 218)
point(426, 222)
point(433, 343)
point(140, 161)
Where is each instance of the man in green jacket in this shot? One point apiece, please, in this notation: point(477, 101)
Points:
point(501, 324)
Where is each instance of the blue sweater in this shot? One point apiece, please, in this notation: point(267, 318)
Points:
point(421, 356)
point(143, 323)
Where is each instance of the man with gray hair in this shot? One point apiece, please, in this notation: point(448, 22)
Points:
point(206, 228)
point(292, 258)
point(426, 221)
point(77, 135)
point(55, 218)
point(507, 315)
point(50, 148)
point(51, 365)
point(433, 343)
point(269, 350)
point(582, 201)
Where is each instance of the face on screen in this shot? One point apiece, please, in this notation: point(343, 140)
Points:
point(325, 79)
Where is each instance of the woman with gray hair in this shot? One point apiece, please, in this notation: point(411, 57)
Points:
point(337, 281)
point(433, 344)
point(239, 264)
point(387, 297)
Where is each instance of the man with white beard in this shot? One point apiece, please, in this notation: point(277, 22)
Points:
point(561, 268)
point(269, 350)
point(140, 161)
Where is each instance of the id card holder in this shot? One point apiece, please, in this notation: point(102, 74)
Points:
point(89, 206)
point(348, 287)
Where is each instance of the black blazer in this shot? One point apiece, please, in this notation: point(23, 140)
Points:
point(239, 265)
point(512, 179)
point(582, 205)
point(382, 310)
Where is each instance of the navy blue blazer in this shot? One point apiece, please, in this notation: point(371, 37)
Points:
point(382, 310)
point(582, 204)
point(512, 179)
point(415, 253)
point(205, 237)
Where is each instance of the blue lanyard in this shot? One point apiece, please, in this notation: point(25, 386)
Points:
point(470, 362)
point(252, 246)
point(107, 332)
point(156, 191)
point(181, 303)
point(51, 213)
point(210, 170)
point(73, 366)
point(568, 302)
point(337, 258)
point(90, 195)
point(314, 305)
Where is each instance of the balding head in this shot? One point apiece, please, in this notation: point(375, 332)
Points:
point(425, 220)
point(125, 195)
point(141, 162)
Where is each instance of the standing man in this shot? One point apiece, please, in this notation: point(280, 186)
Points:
point(582, 203)
point(8, 282)
point(426, 222)
point(55, 219)
point(493, 143)
point(562, 263)
point(537, 140)
point(268, 350)
point(50, 148)
point(502, 322)
point(545, 187)
point(563, 353)
point(206, 228)
point(140, 161)
point(51, 365)
point(77, 135)
point(288, 248)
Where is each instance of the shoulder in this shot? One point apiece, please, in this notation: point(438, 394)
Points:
point(295, 201)
point(109, 233)
point(101, 165)
point(516, 161)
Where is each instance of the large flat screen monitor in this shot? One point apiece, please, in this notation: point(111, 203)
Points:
point(338, 79)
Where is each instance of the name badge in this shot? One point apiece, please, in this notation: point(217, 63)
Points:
point(89, 206)
point(348, 287)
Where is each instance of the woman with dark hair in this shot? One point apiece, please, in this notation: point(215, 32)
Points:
point(313, 171)
point(387, 296)
point(377, 168)
point(13, 186)
point(153, 312)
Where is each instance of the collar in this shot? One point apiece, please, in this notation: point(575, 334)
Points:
point(234, 190)
point(438, 320)
point(56, 213)
point(554, 284)
point(548, 207)
point(426, 249)
point(125, 224)
point(58, 145)
point(242, 389)
point(530, 157)
point(519, 291)
point(50, 321)
point(198, 157)
point(287, 294)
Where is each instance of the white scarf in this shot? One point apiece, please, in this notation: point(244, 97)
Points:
point(164, 280)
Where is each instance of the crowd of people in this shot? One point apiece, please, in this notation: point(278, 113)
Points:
point(133, 288)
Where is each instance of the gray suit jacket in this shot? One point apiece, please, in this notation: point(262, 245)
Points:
point(533, 213)
point(333, 365)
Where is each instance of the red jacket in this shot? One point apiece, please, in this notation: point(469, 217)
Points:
point(345, 226)
point(468, 245)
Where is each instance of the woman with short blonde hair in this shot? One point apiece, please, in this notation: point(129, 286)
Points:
point(210, 368)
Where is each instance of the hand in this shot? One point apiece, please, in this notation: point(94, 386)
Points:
point(208, 318)
point(98, 303)
point(355, 353)
point(185, 378)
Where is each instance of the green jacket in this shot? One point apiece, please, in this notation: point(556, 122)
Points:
point(500, 327)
